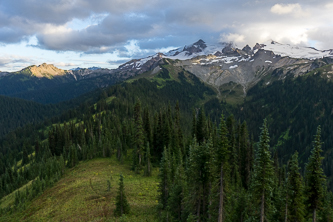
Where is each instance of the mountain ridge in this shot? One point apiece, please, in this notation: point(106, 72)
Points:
point(215, 64)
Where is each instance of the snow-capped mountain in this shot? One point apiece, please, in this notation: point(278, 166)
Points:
point(227, 52)
point(198, 48)
point(215, 64)
point(296, 51)
point(221, 63)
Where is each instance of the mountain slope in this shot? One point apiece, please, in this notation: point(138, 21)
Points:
point(82, 194)
point(16, 113)
point(293, 108)
point(215, 64)
point(220, 64)
point(48, 84)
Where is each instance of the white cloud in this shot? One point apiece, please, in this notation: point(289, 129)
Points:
point(12, 62)
point(64, 64)
point(293, 9)
point(232, 37)
point(285, 9)
point(329, 6)
point(133, 48)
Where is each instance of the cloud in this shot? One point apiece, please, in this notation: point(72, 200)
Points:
point(117, 62)
point(292, 9)
point(329, 6)
point(322, 36)
point(10, 62)
point(135, 28)
point(64, 64)
point(281, 9)
point(232, 37)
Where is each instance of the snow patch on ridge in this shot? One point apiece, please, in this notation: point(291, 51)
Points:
point(295, 51)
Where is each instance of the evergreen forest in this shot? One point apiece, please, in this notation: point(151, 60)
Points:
point(266, 159)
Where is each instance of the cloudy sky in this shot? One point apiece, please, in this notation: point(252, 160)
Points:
point(106, 33)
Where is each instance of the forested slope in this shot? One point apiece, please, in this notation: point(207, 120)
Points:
point(16, 113)
point(211, 166)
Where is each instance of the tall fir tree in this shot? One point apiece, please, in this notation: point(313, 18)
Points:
point(222, 157)
point(148, 162)
point(315, 177)
point(25, 156)
point(295, 192)
point(139, 138)
point(198, 180)
point(122, 206)
point(201, 126)
point(165, 179)
point(262, 180)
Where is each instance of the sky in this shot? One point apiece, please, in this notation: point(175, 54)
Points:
point(107, 33)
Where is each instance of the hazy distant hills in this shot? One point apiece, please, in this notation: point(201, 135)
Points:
point(48, 84)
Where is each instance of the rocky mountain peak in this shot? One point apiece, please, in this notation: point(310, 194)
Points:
point(230, 50)
point(196, 47)
point(46, 70)
point(200, 43)
point(258, 46)
point(247, 49)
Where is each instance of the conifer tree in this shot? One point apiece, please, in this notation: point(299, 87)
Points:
point(263, 173)
point(178, 130)
point(201, 126)
point(198, 180)
point(25, 157)
point(122, 206)
point(295, 197)
point(139, 138)
point(147, 126)
point(177, 192)
point(315, 177)
point(194, 124)
point(222, 158)
point(119, 150)
point(165, 179)
point(148, 163)
point(246, 155)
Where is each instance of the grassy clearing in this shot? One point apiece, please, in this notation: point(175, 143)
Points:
point(10, 198)
point(232, 93)
point(81, 195)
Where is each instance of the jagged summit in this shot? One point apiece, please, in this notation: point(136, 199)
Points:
point(196, 47)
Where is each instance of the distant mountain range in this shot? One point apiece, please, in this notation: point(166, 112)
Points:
point(90, 68)
point(215, 64)
point(222, 63)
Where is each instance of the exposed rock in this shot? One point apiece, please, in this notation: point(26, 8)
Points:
point(218, 53)
point(258, 46)
point(230, 51)
point(247, 49)
point(46, 70)
point(195, 47)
